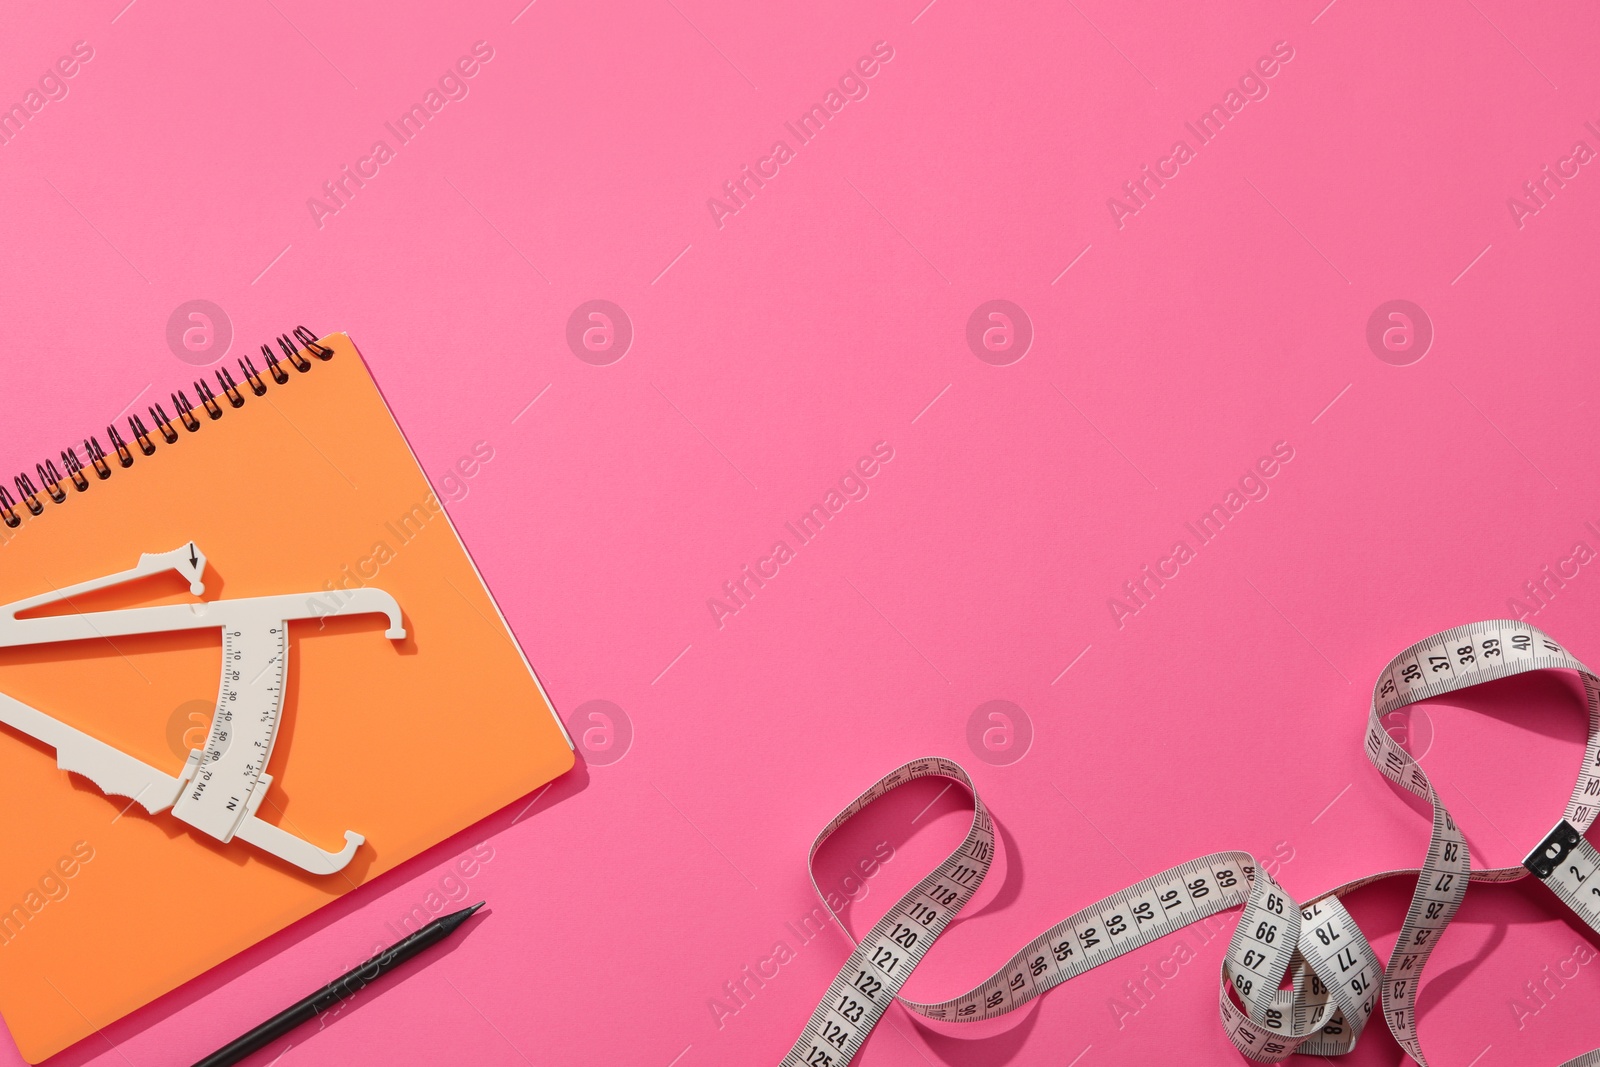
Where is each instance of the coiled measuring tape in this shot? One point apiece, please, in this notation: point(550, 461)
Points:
point(1334, 979)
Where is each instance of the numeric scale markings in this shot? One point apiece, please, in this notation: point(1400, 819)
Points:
point(1334, 978)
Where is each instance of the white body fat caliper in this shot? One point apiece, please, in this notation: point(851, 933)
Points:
point(222, 785)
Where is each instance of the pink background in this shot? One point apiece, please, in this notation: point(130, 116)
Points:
point(828, 314)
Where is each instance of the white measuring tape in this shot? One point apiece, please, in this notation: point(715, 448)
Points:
point(1334, 979)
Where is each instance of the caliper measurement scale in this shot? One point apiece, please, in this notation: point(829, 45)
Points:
point(1295, 978)
point(228, 776)
point(222, 785)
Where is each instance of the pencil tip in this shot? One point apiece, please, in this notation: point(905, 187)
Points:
point(450, 922)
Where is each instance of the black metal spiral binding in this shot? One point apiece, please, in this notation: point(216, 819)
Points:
point(51, 480)
point(235, 398)
point(97, 456)
point(251, 378)
point(185, 411)
point(69, 459)
point(29, 495)
point(164, 424)
point(140, 434)
point(208, 398)
point(124, 457)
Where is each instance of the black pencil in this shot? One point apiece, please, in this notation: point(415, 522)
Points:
point(337, 990)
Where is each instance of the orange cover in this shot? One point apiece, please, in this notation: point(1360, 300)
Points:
point(304, 489)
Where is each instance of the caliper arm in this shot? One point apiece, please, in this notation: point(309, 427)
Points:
point(295, 850)
point(113, 770)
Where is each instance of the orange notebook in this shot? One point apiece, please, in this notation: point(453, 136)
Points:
point(296, 481)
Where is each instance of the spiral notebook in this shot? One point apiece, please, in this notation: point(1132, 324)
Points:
point(390, 709)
